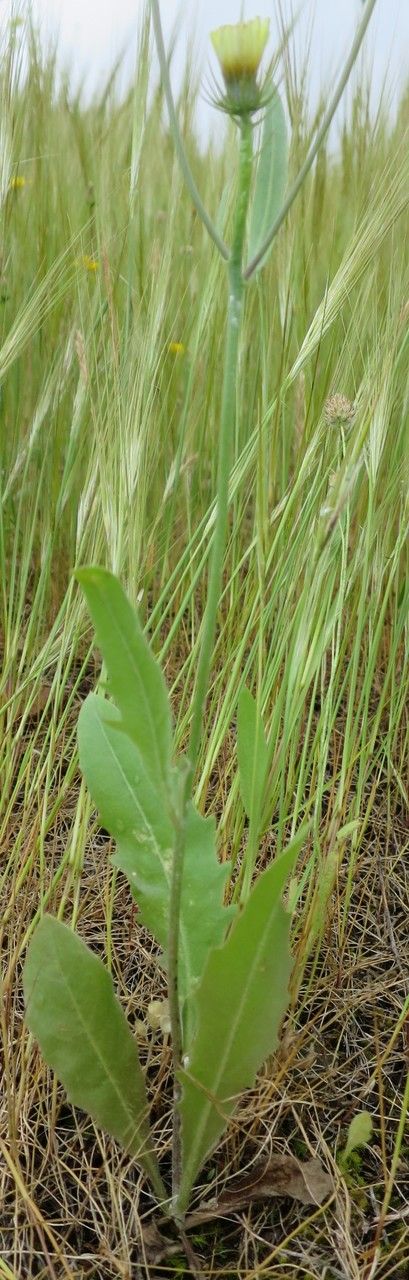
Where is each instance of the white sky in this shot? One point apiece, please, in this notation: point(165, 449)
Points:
point(94, 31)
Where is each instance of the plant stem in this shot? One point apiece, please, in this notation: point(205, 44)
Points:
point(228, 414)
point(173, 994)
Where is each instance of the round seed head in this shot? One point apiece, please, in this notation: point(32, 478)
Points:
point(338, 410)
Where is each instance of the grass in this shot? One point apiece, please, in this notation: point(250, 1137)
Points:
point(108, 453)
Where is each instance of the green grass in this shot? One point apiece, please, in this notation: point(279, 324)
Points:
point(107, 453)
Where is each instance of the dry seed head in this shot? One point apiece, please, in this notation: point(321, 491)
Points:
point(158, 1016)
point(338, 410)
point(81, 356)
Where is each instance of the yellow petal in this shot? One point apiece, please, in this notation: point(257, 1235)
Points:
point(90, 264)
point(176, 348)
point(240, 47)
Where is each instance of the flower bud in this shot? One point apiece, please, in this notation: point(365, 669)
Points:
point(240, 49)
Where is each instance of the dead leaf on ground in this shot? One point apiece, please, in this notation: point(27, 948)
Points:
point(156, 1246)
point(281, 1176)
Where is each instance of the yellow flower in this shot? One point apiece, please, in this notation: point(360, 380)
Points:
point(90, 264)
point(240, 48)
point(17, 183)
point(176, 348)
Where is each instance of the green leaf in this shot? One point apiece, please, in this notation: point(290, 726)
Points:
point(359, 1134)
point(136, 817)
point(123, 792)
point(237, 1009)
point(135, 677)
point(271, 177)
point(75, 1016)
point(252, 751)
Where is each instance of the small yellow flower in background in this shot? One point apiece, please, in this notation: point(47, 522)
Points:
point(17, 183)
point(338, 410)
point(90, 264)
point(176, 348)
point(240, 48)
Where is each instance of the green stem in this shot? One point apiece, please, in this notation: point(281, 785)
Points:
point(173, 994)
point(228, 417)
point(228, 414)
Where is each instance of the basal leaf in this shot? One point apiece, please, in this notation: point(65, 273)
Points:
point(75, 1016)
point(359, 1134)
point(252, 751)
point(271, 176)
point(137, 819)
point(135, 677)
point(238, 1008)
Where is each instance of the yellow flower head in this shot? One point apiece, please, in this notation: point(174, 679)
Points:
point(240, 48)
point(177, 348)
point(90, 264)
point(18, 182)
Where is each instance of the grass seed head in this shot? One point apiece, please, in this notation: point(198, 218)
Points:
point(339, 411)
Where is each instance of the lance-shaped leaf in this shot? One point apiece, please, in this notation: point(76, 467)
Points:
point(237, 1011)
point(74, 1014)
point(252, 751)
point(136, 817)
point(271, 176)
point(135, 677)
